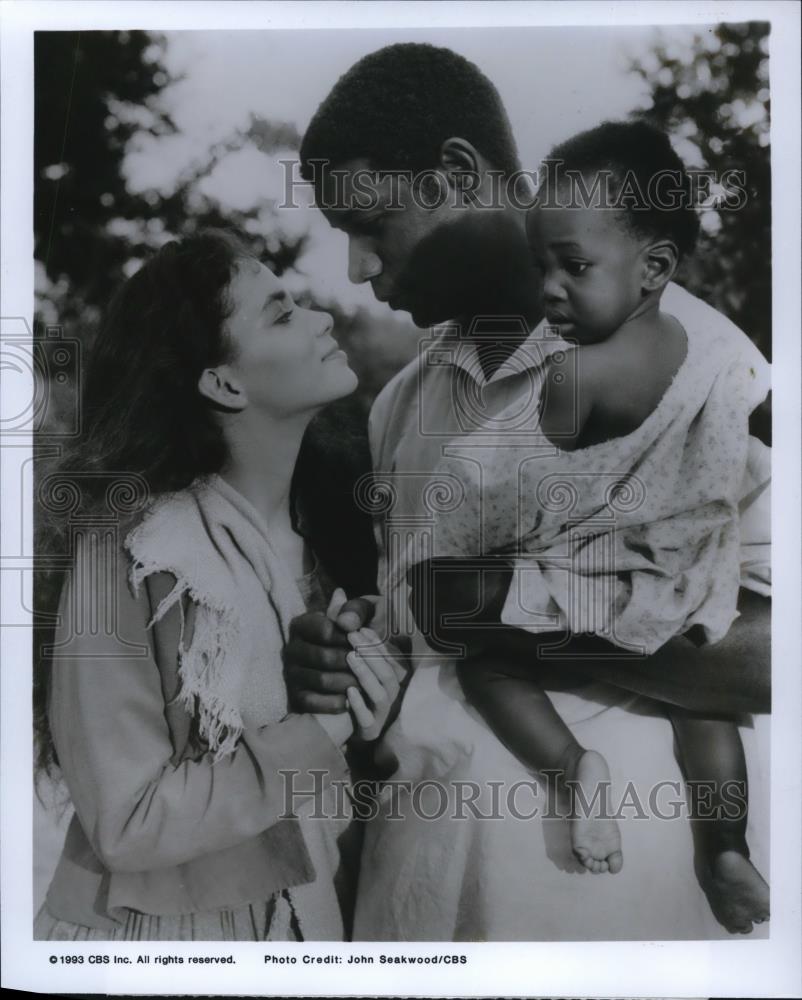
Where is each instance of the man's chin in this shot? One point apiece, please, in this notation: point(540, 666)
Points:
point(424, 317)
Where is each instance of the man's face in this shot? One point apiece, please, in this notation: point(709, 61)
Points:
point(421, 251)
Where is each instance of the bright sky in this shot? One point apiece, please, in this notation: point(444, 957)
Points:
point(553, 81)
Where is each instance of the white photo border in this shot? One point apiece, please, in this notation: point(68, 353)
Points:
point(737, 967)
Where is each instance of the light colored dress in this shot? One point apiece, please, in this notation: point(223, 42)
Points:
point(433, 869)
point(193, 850)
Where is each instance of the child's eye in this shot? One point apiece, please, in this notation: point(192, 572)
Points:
point(576, 267)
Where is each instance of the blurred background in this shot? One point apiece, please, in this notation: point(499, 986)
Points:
point(140, 137)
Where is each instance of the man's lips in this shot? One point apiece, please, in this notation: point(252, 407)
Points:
point(394, 300)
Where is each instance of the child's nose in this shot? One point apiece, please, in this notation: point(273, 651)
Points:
point(552, 289)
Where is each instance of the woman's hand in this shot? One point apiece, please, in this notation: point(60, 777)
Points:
point(380, 674)
point(340, 727)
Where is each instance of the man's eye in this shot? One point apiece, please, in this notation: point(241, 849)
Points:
point(576, 267)
point(371, 223)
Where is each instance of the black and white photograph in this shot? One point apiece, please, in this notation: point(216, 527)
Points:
point(390, 404)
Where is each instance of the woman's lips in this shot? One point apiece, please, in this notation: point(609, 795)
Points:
point(335, 354)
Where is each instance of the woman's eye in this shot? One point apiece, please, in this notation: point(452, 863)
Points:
point(284, 317)
point(576, 267)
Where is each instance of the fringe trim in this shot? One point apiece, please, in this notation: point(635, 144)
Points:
point(202, 665)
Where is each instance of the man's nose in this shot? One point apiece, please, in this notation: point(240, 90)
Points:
point(363, 264)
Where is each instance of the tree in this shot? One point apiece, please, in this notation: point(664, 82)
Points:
point(95, 92)
point(714, 96)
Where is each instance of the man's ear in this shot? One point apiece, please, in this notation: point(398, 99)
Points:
point(220, 387)
point(660, 263)
point(463, 166)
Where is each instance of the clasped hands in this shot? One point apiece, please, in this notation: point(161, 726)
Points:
point(335, 660)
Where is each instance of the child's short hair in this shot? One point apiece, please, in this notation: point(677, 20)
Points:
point(397, 106)
point(634, 155)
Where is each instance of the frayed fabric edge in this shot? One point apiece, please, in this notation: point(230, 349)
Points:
point(215, 629)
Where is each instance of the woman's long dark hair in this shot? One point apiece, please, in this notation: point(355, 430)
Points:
point(141, 410)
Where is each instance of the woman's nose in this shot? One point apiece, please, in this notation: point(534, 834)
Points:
point(363, 264)
point(326, 323)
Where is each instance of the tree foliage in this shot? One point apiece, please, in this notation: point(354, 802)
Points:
point(714, 96)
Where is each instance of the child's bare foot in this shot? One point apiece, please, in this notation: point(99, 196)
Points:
point(737, 893)
point(595, 839)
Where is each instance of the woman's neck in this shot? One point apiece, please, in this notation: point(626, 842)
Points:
point(262, 454)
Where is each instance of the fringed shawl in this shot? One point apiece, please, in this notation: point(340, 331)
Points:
point(216, 546)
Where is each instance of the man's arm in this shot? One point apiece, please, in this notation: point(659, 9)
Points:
point(732, 676)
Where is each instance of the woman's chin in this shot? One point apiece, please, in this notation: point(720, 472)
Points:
point(342, 381)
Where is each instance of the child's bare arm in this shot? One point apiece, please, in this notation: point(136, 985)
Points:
point(568, 399)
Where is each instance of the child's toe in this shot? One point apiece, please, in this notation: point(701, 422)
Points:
point(615, 862)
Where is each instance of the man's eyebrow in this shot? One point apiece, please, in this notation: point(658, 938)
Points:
point(346, 217)
point(278, 296)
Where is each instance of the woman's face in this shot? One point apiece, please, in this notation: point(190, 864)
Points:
point(285, 360)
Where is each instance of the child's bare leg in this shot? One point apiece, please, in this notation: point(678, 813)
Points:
point(521, 714)
point(715, 767)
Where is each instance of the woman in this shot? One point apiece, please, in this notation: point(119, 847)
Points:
point(170, 732)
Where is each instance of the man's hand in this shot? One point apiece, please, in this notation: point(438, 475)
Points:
point(315, 667)
point(457, 602)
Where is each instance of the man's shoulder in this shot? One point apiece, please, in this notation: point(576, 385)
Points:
point(398, 385)
point(691, 311)
point(704, 321)
point(402, 388)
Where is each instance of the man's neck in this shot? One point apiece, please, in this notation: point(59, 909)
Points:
point(501, 327)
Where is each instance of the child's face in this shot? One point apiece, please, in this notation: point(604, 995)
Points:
point(592, 269)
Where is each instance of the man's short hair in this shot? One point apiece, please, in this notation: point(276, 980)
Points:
point(397, 106)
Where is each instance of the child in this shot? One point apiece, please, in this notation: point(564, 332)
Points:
point(630, 529)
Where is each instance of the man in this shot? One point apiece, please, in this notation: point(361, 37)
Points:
point(412, 156)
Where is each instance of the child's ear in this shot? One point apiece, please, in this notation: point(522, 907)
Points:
point(660, 264)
